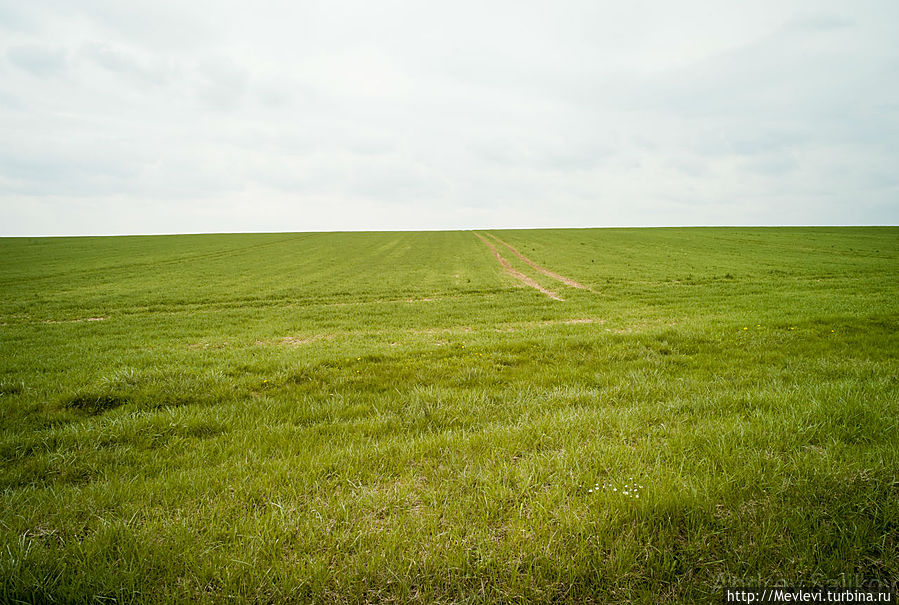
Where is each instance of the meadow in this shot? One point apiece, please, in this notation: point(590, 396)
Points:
point(401, 417)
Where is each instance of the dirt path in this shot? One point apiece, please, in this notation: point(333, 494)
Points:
point(565, 280)
point(515, 272)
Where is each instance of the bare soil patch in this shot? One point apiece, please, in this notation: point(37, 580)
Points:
point(565, 280)
point(72, 321)
point(298, 341)
point(516, 273)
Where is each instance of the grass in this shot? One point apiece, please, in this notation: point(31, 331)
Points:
point(393, 417)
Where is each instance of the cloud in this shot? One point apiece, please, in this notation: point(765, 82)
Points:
point(222, 83)
point(125, 64)
point(209, 116)
point(38, 60)
point(819, 22)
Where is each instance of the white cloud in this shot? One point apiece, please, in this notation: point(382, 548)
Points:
point(165, 117)
point(37, 59)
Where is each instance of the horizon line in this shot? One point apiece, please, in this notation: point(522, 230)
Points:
point(438, 230)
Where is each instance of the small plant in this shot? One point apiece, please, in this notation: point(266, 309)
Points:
point(11, 388)
point(95, 404)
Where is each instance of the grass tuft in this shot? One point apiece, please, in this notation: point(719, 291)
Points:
point(94, 403)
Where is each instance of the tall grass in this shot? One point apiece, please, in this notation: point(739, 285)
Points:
point(390, 417)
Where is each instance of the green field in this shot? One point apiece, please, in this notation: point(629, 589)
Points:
point(353, 417)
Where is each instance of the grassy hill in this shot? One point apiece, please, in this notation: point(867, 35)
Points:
point(352, 417)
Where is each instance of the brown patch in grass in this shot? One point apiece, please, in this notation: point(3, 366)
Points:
point(466, 329)
point(516, 273)
point(209, 345)
point(295, 341)
point(565, 280)
point(71, 321)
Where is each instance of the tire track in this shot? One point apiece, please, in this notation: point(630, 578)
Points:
point(565, 280)
point(515, 272)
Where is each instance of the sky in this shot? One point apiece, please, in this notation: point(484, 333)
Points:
point(159, 116)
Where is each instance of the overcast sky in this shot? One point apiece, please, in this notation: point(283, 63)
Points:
point(157, 116)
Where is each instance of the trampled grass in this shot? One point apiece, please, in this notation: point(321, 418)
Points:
point(393, 417)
